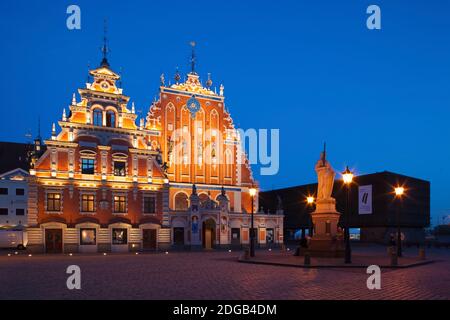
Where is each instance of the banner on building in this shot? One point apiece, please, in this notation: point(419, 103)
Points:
point(365, 199)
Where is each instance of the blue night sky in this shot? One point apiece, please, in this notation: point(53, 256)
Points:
point(380, 99)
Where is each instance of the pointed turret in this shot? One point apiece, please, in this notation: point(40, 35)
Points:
point(105, 49)
point(53, 131)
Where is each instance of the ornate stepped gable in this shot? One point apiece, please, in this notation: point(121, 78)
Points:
point(213, 155)
point(99, 130)
point(102, 118)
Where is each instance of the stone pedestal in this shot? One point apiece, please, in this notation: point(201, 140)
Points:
point(326, 242)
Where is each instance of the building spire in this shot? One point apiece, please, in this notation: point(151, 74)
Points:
point(39, 128)
point(193, 57)
point(105, 49)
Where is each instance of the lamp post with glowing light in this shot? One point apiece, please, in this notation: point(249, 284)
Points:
point(399, 191)
point(252, 192)
point(347, 177)
point(310, 202)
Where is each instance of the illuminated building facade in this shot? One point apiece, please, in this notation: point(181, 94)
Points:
point(178, 178)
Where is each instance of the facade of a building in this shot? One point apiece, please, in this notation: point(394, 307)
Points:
point(13, 198)
point(373, 207)
point(14, 172)
point(111, 182)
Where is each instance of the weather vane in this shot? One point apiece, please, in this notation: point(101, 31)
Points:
point(192, 43)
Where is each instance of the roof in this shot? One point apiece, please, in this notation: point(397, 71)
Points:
point(14, 155)
point(15, 174)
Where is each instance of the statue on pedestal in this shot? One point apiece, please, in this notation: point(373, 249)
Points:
point(325, 241)
point(325, 177)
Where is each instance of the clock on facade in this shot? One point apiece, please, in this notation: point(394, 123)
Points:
point(105, 85)
point(193, 105)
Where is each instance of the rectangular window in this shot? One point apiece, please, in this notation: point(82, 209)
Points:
point(3, 211)
point(119, 168)
point(119, 236)
point(53, 202)
point(149, 205)
point(87, 203)
point(20, 212)
point(87, 166)
point(120, 204)
point(4, 191)
point(20, 192)
point(88, 236)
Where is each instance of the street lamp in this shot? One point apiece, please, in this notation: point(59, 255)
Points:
point(399, 191)
point(252, 192)
point(310, 202)
point(347, 177)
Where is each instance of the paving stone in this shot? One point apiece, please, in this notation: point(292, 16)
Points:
point(211, 275)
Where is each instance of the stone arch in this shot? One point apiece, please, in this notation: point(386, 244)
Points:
point(181, 201)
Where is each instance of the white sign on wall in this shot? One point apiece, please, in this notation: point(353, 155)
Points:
point(365, 199)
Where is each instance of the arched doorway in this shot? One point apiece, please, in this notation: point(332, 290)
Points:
point(209, 233)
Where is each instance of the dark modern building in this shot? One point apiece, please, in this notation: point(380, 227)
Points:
point(373, 206)
point(14, 155)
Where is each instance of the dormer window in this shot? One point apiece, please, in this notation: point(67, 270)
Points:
point(110, 119)
point(97, 117)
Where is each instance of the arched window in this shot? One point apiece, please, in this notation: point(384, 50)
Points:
point(228, 164)
point(204, 198)
point(110, 119)
point(181, 201)
point(230, 204)
point(97, 117)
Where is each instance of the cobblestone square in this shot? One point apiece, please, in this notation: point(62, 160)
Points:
point(211, 275)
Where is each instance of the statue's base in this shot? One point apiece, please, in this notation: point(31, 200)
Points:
point(324, 248)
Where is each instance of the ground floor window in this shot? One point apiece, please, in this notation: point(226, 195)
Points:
point(270, 236)
point(88, 236)
point(119, 236)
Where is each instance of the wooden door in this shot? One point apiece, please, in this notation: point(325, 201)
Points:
point(53, 241)
point(208, 238)
point(149, 241)
point(178, 236)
